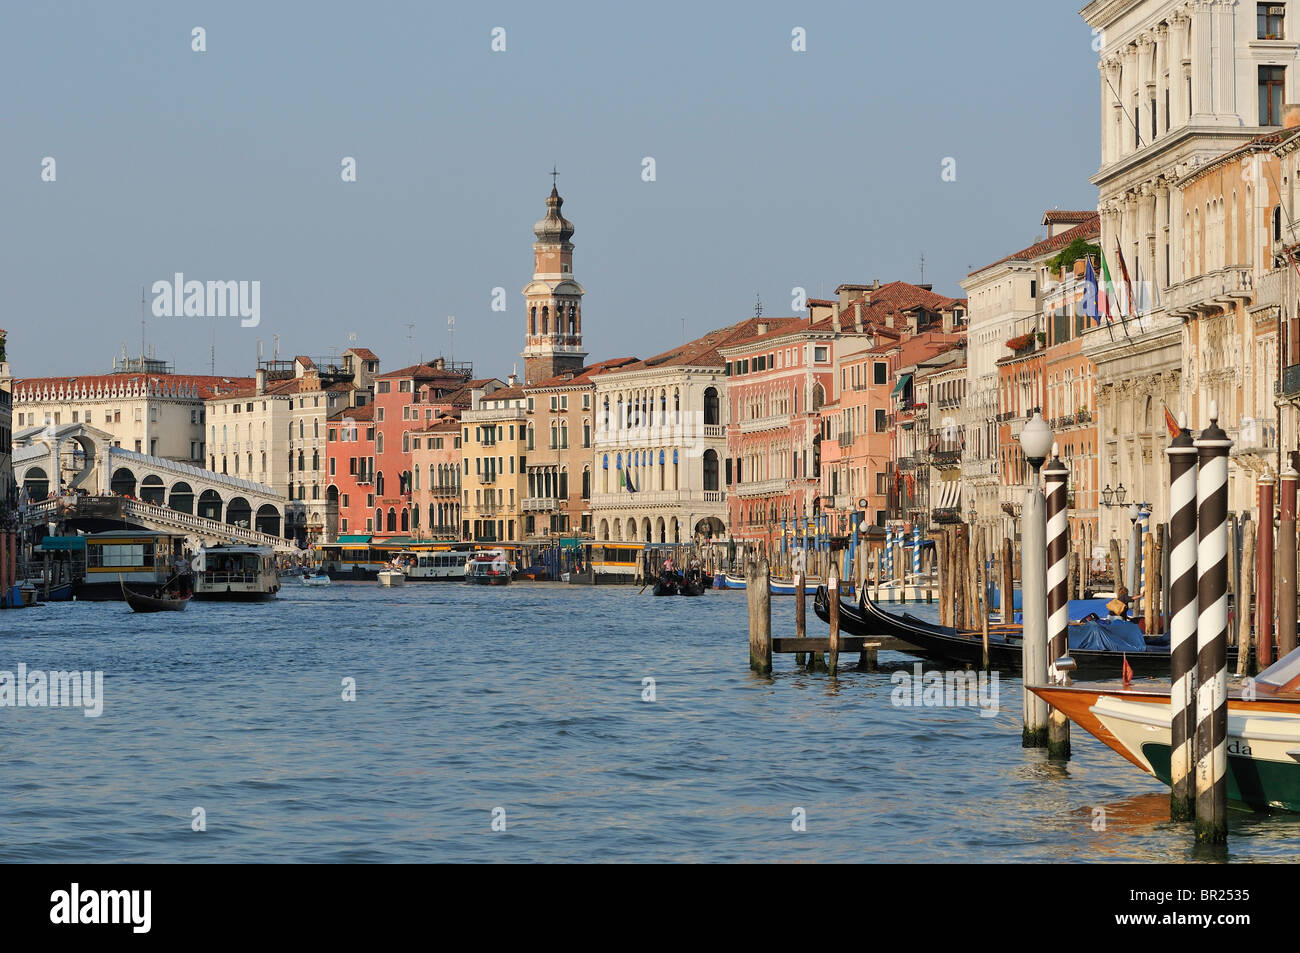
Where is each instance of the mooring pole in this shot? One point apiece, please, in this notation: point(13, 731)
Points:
point(1245, 589)
point(1033, 609)
point(1212, 633)
point(1056, 478)
point(1182, 621)
point(1007, 598)
point(1286, 552)
point(833, 616)
point(800, 610)
point(759, 593)
point(1264, 602)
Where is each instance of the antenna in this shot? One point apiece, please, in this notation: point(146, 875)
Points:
point(451, 334)
point(212, 352)
point(259, 350)
point(758, 305)
point(275, 349)
point(922, 267)
point(142, 313)
point(410, 335)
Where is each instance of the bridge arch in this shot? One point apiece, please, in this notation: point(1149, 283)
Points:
point(210, 505)
point(268, 520)
point(37, 484)
point(239, 513)
point(181, 497)
point(122, 482)
point(152, 489)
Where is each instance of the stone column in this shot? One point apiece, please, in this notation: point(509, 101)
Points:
point(1203, 67)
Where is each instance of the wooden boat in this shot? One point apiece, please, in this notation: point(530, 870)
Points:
point(672, 583)
point(142, 603)
point(1263, 732)
point(1145, 657)
point(779, 586)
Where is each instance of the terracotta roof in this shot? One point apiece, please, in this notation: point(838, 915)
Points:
point(703, 351)
point(1259, 143)
point(506, 393)
point(1089, 229)
point(1057, 216)
point(201, 386)
point(364, 353)
point(274, 388)
point(425, 372)
point(886, 301)
point(304, 360)
point(364, 412)
point(581, 377)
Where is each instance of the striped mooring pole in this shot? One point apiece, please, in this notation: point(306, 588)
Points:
point(916, 555)
point(1056, 478)
point(889, 552)
point(1212, 633)
point(1182, 621)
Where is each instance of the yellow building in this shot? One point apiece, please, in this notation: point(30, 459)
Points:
point(494, 474)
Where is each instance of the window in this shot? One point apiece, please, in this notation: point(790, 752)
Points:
point(1269, 20)
point(819, 354)
point(880, 420)
point(383, 387)
point(1271, 80)
point(880, 372)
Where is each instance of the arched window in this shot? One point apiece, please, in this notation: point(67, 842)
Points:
point(818, 397)
point(586, 483)
point(607, 424)
point(532, 320)
point(711, 406)
point(392, 520)
point(546, 320)
point(573, 320)
point(1277, 223)
point(530, 437)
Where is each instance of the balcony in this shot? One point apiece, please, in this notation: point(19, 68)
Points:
point(846, 439)
point(1291, 381)
point(1206, 294)
point(715, 430)
point(761, 488)
point(541, 504)
point(1254, 444)
point(770, 422)
point(945, 514)
point(444, 489)
point(487, 478)
point(946, 458)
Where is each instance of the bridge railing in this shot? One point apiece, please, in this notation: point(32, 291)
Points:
point(194, 473)
point(203, 525)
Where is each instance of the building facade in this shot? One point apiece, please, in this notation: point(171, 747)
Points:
point(494, 440)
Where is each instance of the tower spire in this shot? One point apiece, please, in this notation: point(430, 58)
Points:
point(553, 299)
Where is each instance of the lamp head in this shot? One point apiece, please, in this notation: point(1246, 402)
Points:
point(1036, 440)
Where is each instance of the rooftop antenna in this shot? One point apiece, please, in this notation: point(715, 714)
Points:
point(410, 340)
point(922, 267)
point(451, 334)
point(212, 351)
point(259, 350)
point(142, 313)
point(758, 305)
point(275, 347)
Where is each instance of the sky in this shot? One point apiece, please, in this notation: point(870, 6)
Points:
point(773, 169)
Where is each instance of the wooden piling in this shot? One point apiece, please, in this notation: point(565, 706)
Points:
point(1286, 563)
point(800, 613)
point(1245, 593)
point(1008, 597)
point(1116, 567)
point(1158, 588)
point(1148, 577)
point(759, 592)
point(982, 584)
point(959, 579)
point(943, 578)
point(833, 592)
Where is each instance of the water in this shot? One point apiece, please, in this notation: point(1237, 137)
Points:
point(528, 698)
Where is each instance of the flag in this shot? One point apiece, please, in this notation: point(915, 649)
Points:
point(630, 487)
point(1106, 294)
point(1090, 310)
point(1128, 671)
point(1171, 423)
point(1123, 272)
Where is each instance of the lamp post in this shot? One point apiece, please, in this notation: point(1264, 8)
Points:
point(1036, 442)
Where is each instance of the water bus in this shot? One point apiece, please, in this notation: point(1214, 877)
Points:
point(235, 573)
point(144, 560)
point(489, 567)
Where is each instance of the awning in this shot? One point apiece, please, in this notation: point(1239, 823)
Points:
point(902, 382)
point(355, 538)
point(950, 494)
point(52, 543)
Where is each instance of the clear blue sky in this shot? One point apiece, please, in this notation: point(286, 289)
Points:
point(775, 169)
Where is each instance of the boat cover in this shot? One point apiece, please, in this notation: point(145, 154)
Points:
point(1115, 636)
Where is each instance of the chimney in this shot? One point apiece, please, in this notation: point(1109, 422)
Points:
point(261, 380)
point(512, 379)
point(760, 328)
point(857, 318)
point(1290, 115)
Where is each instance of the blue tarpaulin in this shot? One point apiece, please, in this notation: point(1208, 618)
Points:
point(1114, 636)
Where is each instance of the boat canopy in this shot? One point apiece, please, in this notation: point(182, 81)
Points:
point(1283, 676)
point(1115, 636)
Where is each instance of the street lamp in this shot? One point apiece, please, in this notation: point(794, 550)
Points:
point(1036, 440)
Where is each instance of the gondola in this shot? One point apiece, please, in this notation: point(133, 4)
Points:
point(1145, 657)
point(142, 603)
point(675, 584)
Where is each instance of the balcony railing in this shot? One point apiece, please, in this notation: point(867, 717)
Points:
point(946, 458)
point(445, 489)
point(541, 504)
point(1291, 381)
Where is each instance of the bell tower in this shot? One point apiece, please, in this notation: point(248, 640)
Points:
point(553, 299)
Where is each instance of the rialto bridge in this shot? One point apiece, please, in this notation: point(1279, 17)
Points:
point(62, 463)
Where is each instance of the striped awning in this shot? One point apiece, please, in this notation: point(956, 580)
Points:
point(949, 494)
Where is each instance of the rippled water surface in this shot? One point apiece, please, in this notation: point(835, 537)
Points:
point(529, 698)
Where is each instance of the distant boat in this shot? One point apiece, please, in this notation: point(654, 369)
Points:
point(142, 603)
point(781, 587)
point(235, 573)
point(488, 567)
point(319, 579)
point(391, 577)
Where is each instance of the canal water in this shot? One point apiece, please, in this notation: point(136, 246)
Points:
point(525, 704)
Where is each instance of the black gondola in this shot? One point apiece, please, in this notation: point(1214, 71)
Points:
point(167, 602)
point(671, 583)
point(966, 646)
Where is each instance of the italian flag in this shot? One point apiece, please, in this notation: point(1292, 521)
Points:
point(1105, 291)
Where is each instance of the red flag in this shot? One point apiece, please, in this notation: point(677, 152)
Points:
point(1128, 672)
point(1171, 422)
